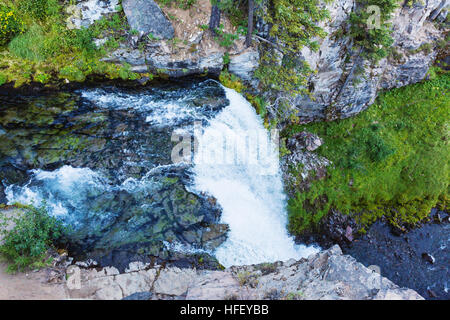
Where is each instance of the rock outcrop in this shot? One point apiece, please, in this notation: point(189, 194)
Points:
point(340, 92)
point(326, 275)
point(180, 47)
point(86, 12)
point(146, 17)
point(344, 85)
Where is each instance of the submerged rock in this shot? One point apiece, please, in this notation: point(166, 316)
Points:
point(102, 160)
point(428, 257)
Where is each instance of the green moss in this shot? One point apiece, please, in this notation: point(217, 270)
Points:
point(231, 81)
point(3, 79)
point(391, 160)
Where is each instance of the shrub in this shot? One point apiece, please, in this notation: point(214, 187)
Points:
point(10, 25)
point(72, 73)
point(27, 243)
point(36, 9)
point(42, 77)
point(229, 80)
point(375, 42)
point(182, 4)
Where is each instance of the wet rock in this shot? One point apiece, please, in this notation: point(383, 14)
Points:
point(337, 227)
point(428, 257)
point(349, 233)
point(139, 296)
point(146, 17)
point(401, 261)
point(432, 294)
point(214, 235)
point(113, 143)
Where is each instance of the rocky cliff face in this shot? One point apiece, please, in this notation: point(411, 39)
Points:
point(340, 92)
point(344, 85)
point(325, 275)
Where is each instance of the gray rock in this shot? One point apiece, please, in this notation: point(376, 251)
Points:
point(174, 281)
point(244, 64)
point(146, 17)
point(212, 64)
point(125, 55)
point(328, 274)
point(85, 13)
point(345, 83)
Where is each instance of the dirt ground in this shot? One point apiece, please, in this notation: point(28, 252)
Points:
point(28, 286)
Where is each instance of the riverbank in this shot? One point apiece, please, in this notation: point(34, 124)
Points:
point(30, 285)
point(326, 275)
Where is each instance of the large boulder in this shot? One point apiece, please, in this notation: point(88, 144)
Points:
point(146, 17)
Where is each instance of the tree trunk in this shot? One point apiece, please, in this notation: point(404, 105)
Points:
point(214, 20)
point(251, 8)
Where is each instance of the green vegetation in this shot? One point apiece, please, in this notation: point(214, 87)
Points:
point(391, 160)
point(182, 4)
point(37, 45)
point(10, 24)
point(225, 39)
point(27, 243)
point(294, 27)
point(231, 81)
point(374, 42)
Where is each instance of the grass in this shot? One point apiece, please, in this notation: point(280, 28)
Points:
point(46, 51)
point(391, 160)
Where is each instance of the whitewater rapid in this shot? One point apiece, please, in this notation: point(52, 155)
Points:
point(237, 163)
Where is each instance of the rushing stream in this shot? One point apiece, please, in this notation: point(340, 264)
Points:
point(101, 159)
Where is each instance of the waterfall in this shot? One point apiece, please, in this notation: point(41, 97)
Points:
point(247, 184)
point(132, 200)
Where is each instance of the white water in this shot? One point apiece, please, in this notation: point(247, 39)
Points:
point(250, 192)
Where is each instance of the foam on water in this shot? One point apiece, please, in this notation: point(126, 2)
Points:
point(250, 192)
point(159, 112)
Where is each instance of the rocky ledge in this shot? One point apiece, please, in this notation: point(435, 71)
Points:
point(326, 275)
